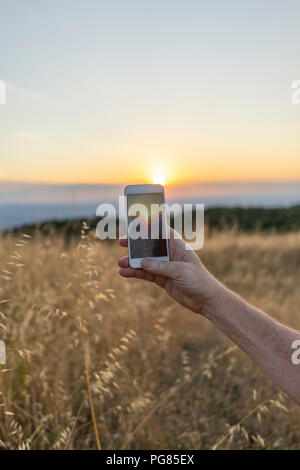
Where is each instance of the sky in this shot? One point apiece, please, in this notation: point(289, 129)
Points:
point(127, 91)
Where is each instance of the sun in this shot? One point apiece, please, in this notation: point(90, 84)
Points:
point(159, 178)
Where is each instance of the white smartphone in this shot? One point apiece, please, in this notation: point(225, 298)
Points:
point(146, 216)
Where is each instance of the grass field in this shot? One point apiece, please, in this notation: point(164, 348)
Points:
point(97, 360)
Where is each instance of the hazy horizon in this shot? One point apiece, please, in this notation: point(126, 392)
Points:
point(17, 192)
point(27, 203)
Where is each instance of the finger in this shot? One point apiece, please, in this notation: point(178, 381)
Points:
point(170, 269)
point(123, 241)
point(137, 273)
point(150, 277)
point(179, 249)
point(141, 274)
point(124, 262)
point(127, 272)
point(173, 234)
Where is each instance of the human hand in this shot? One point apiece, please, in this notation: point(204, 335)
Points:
point(184, 277)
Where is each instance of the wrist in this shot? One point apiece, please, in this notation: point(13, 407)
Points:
point(217, 301)
point(223, 305)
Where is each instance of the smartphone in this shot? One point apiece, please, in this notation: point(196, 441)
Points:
point(146, 216)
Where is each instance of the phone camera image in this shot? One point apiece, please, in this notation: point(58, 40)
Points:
point(146, 225)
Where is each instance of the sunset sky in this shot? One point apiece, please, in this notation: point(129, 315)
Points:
point(128, 91)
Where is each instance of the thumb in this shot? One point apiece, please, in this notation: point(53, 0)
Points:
point(169, 269)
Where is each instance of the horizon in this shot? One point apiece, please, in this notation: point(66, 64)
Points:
point(28, 203)
point(22, 192)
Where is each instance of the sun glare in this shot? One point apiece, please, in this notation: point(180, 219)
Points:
point(159, 178)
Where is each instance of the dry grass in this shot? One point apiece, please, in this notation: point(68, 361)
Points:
point(160, 377)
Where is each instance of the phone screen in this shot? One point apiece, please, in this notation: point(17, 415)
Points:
point(149, 213)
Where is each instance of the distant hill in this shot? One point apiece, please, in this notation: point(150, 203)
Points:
point(253, 219)
point(218, 218)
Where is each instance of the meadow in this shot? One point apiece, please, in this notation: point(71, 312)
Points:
point(98, 361)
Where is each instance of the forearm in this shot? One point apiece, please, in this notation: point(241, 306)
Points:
point(265, 340)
